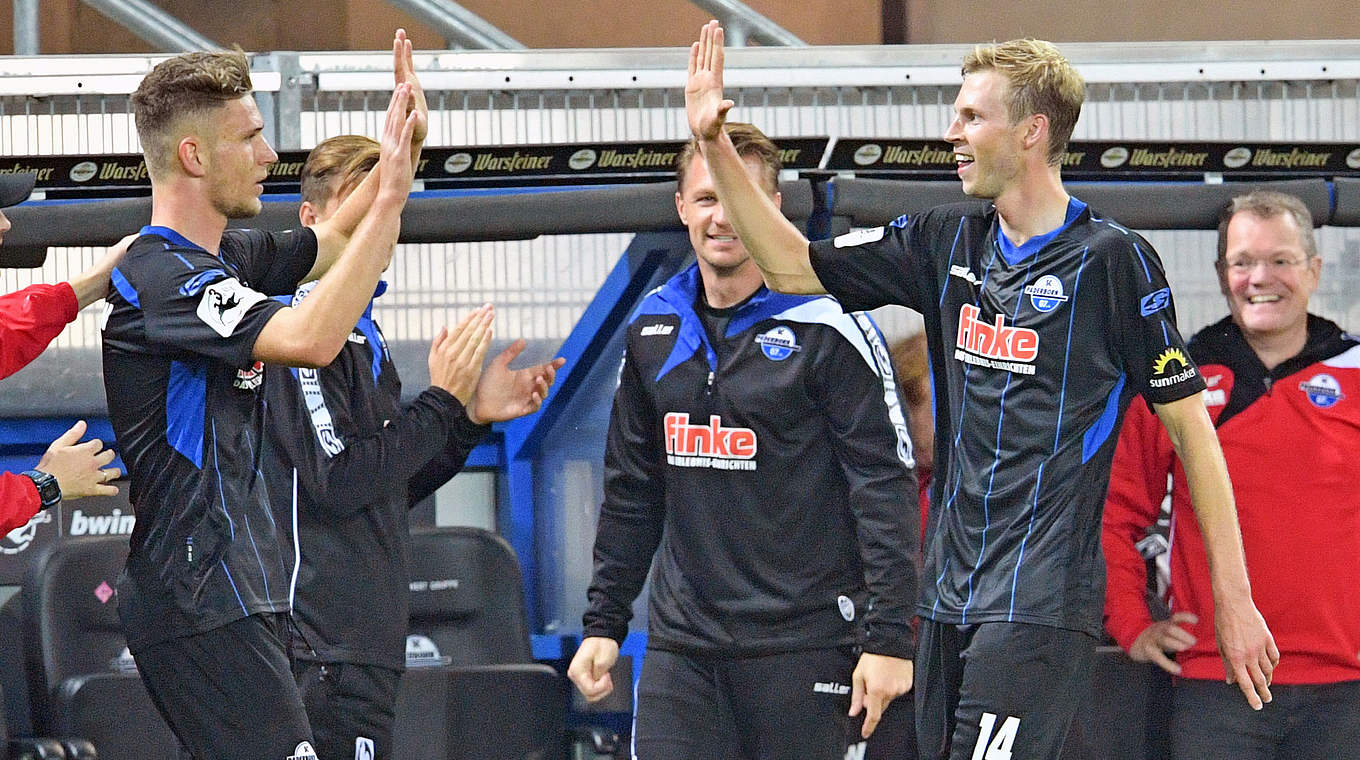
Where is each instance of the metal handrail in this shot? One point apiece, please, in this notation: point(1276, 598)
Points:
point(459, 26)
point(743, 23)
point(163, 31)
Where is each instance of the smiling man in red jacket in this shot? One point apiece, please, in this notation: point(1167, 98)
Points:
point(29, 320)
point(1284, 394)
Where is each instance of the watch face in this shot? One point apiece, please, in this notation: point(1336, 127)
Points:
point(49, 492)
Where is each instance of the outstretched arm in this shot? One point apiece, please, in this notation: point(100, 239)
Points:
point(1248, 649)
point(779, 249)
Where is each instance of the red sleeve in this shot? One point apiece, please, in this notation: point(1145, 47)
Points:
point(18, 501)
point(1138, 475)
point(30, 319)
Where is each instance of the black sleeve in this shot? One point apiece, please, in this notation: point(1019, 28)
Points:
point(632, 516)
point(462, 440)
point(193, 303)
point(341, 471)
point(868, 268)
point(853, 382)
point(271, 262)
point(1149, 346)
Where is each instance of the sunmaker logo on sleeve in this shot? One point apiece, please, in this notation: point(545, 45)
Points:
point(712, 445)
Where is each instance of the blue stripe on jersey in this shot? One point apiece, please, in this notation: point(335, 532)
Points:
point(196, 283)
point(1098, 432)
point(234, 590)
point(255, 548)
point(173, 237)
point(1142, 260)
point(375, 343)
point(125, 289)
point(185, 400)
point(952, 249)
point(221, 492)
point(1057, 434)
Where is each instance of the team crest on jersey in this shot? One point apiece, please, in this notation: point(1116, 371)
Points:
point(778, 344)
point(1322, 390)
point(713, 445)
point(1171, 367)
point(1046, 294)
point(249, 379)
point(998, 346)
point(224, 303)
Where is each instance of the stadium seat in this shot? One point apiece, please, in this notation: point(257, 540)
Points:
point(82, 679)
point(472, 690)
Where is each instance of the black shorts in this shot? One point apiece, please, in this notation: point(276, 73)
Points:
point(351, 708)
point(1212, 721)
point(789, 706)
point(229, 693)
point(998, 690)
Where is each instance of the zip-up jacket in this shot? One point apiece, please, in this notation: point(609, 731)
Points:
point(29, 320)
point(769, 473)
point(1290, 437)
point(361, 461)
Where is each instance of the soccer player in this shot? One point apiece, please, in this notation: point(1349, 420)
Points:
point(204, 596)
point(1282, 390)
point(355, 461)
point(1044, 318)
point(29, 320)
point(757, 451)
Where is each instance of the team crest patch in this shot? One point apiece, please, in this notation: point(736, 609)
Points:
point(249, 379)
point(778, 344)
point(1046, 294)
point(224, 303)
point(1323, 391)
point(303, 751)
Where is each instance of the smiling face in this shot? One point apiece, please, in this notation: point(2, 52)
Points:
point(237, 158)
point(987, 146)
point(1267, 275)
point(715, 241)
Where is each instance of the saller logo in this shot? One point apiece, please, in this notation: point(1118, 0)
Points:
point(997, 346)
point(711, 445)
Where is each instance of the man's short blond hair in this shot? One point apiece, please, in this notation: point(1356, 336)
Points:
point(1039, 81)
point(182, 89)
point(337, 164)
point(750, 142)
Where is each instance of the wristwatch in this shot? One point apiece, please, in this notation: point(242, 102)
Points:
point(48, 490)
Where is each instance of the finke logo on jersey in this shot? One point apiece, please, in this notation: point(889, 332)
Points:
point(1154, 302)
point(1166, 363)
point(1046, 294)
point(1322, 390)
point(249, 379)
point(959, 270)
point(859, 237)
point(224, 303)
point(21, 537)
point(829, 687)
point(778, 344)
point(711, 445)
point(303, 751)
point(997, 346)
point(657, 329)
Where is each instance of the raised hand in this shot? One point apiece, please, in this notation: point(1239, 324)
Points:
point(504, 394)
point(704, 102)
point(456, 355)
point(81, 469)
point(404, 72)
point(396, 162)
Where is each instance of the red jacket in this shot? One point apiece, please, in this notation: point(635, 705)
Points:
point(29, 320)
point(1290, 437)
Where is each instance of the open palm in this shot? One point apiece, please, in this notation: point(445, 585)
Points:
point(704, 102)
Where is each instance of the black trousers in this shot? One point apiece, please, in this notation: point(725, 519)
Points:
point(350, 708)
point(1212, 720)
point(229, 693)
point(790, 706)
point(998, 690)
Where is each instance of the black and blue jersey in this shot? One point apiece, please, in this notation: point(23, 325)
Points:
point(185, 400)
point(1036, 351)
point(767, 470)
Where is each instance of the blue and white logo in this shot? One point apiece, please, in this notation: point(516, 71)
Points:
point(778, 344)
point(1322, 390)
point(1046, 294)
point(1154, 302)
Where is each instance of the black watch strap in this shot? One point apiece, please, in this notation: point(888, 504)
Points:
point(49, 492)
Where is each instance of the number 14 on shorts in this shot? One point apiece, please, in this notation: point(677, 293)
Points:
point(996, 747)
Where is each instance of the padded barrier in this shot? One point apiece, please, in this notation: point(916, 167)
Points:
point(507, 215)
point(1347, 213)
point(1140, 205)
